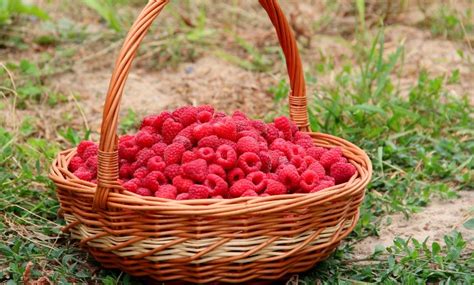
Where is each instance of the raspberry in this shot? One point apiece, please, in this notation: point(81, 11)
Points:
point(342, 172)
point(173, 153)
point(260, 126)
point(207, 154)
point(250, 133)
point(128, 149)
point(126, 170)
point(188, 156)
point(184, 141)
point(148, 130)
point(258, 179)
point(275, 188)
point(90, 151)
point(172, 170)
point(266, 160)
point(210, 141)
point(207, 108)
point(323, 185)
point(239, 115)
point(226, 156)
point(170, 129)
point(83, 174)
point(330, 157)
point(228, 142)
point(247, 144)
point(153, 180)
point(131, 186)
point(306, 144)
point(299, 163)
point(243, 125)
point(91, 164)
point(216, 184)
point(144, 192)
point(309, 180)
point(156, 163)
point(279, 144)
point(249, 193)
point(273, 176)
point(283, 124)
point(185, 115)
point(83, 146)
point(188, 132)
point(182, 184)
point(264, 195)
point(263, 146)
point(288, 175)
point(239, 187)
point(316, 152)
point(272, 133)
point(202, 130)
point(167, 191)
point(309, 160)
point(249, 162)
point(343, 159)
point(148, 121)
point(204, 116)
point(293, 150)
point(145, 139)
point(275, 157)
point(217, 197)
point(159, 121)
point(75, 163)
point(144, 155)
point(302, 136)
point(199, 192)
point(318, 168)
point(159, 148)
point(235, 175)
point(218, 115)
point(140, 173)
point(225, 129)
point(182, 196)
point(195, 170)
point(217, 170)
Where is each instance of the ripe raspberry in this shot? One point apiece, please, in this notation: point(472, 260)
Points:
point(343, 159)
point(159, 148)
point(91, 164)
point(185, 115)
point(188, 156)
point(273, 176)
point(247, 144)
point(83, 146)
point(249, 193)
point(159, 121)
point(128, 150)
point(217, 197)
point(342, 172)
point(249, 162)
point(184, 141)
point(204, 117)
point(217, 170)
point(199, 192)
point(148, 121)
point(170, 129)
point(279, 144)
point(249, 133)
point(239, 115)
point(153, 180)
point(318, 168)
point(226, 156)
point(304, 143)
point(309, 160)
point(167, 191)
point(172, 170)
point(260, 126)
point(266, 160)
point(316, 152)
point(235, 175)
point(219, 115)
point(148, 130)
point(216, 184)
point(83, 174)
point(299, 163)
point(228, 142)
point(145, 139)
point(202, 130)
point(156, 163)
point(242, 125)
point(173, 153)
point(210, 141)
point(225, 129)
point(131, 185)
point(195, 170)
point(275, 188)
point(272, 133)
point(144, 155)
point(330, 157)
point(239, 187)
point(126, 170)
point(182, 184)
point(75, 163)
point(90, 151)
point(264, 195)
point(275, 157)
point(323, 185)
point(144, 192)
point(283, 124)
point(302, 136)
point(207, 108)
point(309, 180)
point(140, 173)
point(293, 150)
point(259, 179)
point(188, 132)
point(207, 154)
point(182, 196)
point(288, 175)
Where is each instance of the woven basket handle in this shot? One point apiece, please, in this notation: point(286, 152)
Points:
point(108, 167)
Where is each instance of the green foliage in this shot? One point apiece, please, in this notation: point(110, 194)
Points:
point(107, 9)
point(450, 23)
point(12, 8)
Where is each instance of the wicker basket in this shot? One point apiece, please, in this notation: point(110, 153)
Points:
point(230, 240)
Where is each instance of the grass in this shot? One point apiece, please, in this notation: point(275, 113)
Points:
point(420, 140)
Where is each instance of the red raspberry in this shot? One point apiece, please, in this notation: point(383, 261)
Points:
point(202, 130)
point(309, 180)
point(145, 139)
point(260, 126)
point(172, 170)
point(243, 125)
point(239, 115)
point(210, 141)
point(159, 121)
point(199, 192)
point(167, 191)
point(288, 175)
point(173, 153)
point(204, 117)
point(302, 136)
point(266, 160)
point(279, 144)
point(272, 133)
point(283, 124)
point(323, 185)
point(159, 148)
point(235, 175)
point(249, 193)
point(148, 121)
point(153, 180)
point(182, 196)
point(207, 154)
point(83, 146)
point(188, 132)
point(229, 143)
point(293, 150)
point(83, 174)
point(128, 150)
point(140, 173)
point(264, 195)
point(144, 155)
point(185, 115)
point(195, 170)
point(182, 184)
point(170, 130)
point(226, 156)
point(299, 163)
point(188, 156)
point(184, 141)
point(225, 129)
point(273, 176)
point(309, 160)
point(318, 168)
point(219, 115)
point(90, 151)
point(275, 188)
point(75, 163)
point(316, 152)
point(343, 159)
point(250, 133)
point(304, 143)
point(330, 157)
point(217, 170)
point(247, 144)
point(91, 164)
point(126, 171)
point(217, 197)
point(275, 157)
point(156, 163)
point(148, 130)
point(342, 172)
point(131, 185)
point(207, 108)
point(259, 179)
point(144, 192)
point(239, 187)
point(249, 162)
point(216, 184)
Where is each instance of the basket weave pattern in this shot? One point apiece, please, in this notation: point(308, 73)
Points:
point(229, 240)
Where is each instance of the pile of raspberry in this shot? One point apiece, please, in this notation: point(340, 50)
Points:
point(198, 153)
